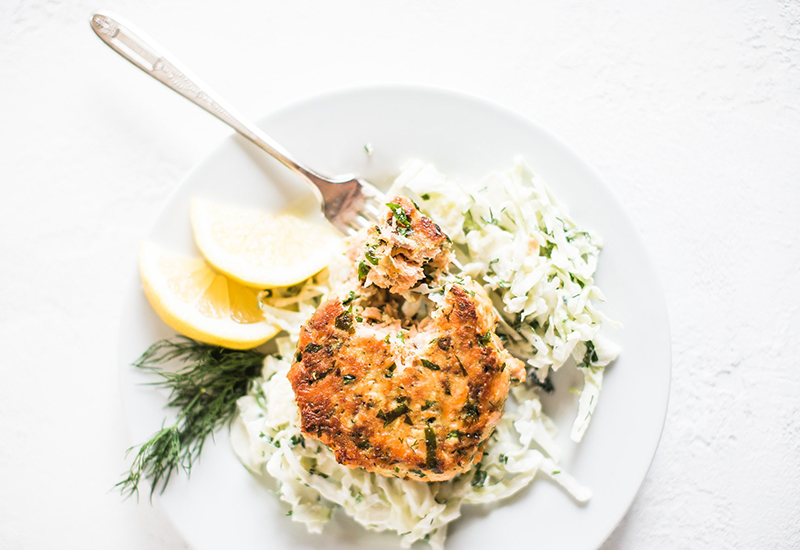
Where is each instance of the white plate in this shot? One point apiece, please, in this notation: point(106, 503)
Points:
point(223, 506)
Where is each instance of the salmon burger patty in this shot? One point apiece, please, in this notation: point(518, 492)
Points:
point(394, 391)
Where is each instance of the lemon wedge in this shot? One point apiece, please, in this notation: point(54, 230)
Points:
point(259, 249)
point(200, 303)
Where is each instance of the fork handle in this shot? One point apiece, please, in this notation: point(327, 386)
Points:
point(152, 59)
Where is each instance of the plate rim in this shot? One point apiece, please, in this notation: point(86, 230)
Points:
point(427, 90)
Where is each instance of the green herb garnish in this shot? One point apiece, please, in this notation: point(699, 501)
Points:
point(371, 257)
point(312, 348)
point(469, 223)
point(316, 376)
point(344, 321)
point(204, 391)
point(430, 448)
point(430, 365)
point(348, 378)
point(428, 404)
point(546, 384)
point(403, 223)
point(363, 269)
point(399, 214)
point(461, 366)
point(350, 297)
point(393, 415)
point(577, 280)
point(590, 356)
point(470, 412)
point(479, 479)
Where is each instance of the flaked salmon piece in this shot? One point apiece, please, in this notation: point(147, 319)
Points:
point(406, 249)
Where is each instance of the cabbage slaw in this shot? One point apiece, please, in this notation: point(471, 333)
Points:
point(537, 265)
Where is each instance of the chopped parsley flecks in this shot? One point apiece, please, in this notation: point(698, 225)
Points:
point(312, 348)
point(590, 356)
point(371, 258)
point(430, 365)
point(430, 448)
point(403, 223)
point(546, 384)
point(471, 412)
point(344, 321)
point(469, 223)
point(393, 415)
point(479, 479)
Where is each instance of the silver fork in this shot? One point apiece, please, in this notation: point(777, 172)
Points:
point(348, 202)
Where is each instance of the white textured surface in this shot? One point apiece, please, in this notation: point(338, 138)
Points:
point(689, 109)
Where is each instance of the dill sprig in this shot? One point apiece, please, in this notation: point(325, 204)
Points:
point(204, 391)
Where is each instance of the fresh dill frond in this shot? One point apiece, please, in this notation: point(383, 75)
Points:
point(204, 391)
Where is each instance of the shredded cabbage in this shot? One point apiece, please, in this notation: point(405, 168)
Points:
point(536, 264)
point(538, 267)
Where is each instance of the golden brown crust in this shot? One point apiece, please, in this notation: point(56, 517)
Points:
point(422, 410)
point(387, 391)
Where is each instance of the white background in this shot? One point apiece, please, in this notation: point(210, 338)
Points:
point(689, 109)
